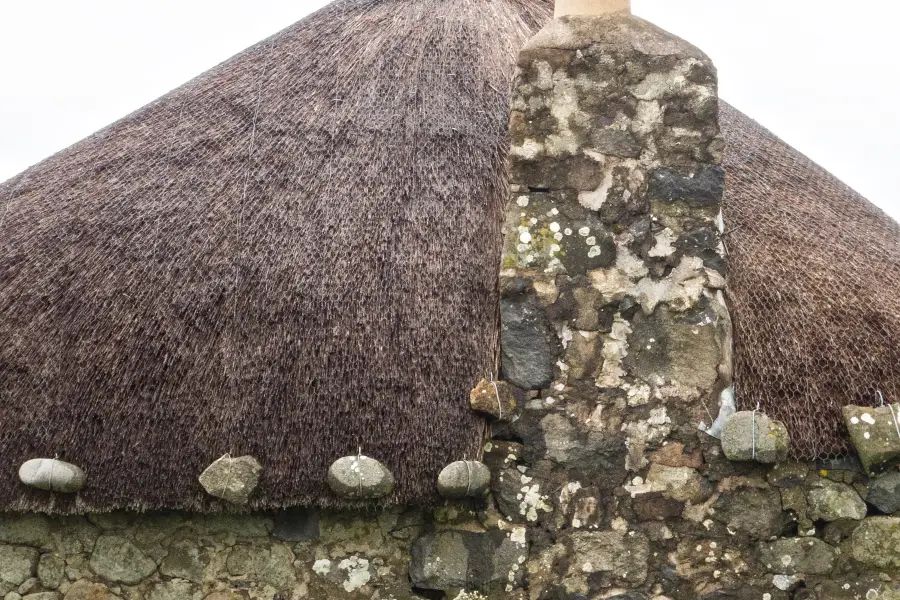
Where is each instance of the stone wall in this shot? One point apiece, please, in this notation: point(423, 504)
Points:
point(616, 342)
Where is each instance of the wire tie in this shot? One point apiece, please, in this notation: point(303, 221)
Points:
point(469, 483)
point(497, 394)
point(359, 470)
point(753, 439)
point(895, 418)
point(50, 476)
point(881, 397)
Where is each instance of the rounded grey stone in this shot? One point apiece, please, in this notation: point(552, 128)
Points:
point(360, 478)
point(771, 444)
point(52, 475)
point(232, 479)
point(464, 479)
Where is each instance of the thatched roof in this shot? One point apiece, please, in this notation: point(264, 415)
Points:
point(814, 289)
point(296, 254)
point(291, 256)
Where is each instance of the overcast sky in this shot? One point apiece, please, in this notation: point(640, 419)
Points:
point(821, 76)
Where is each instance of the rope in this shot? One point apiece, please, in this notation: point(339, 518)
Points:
point(497, 394)
point(753, 439)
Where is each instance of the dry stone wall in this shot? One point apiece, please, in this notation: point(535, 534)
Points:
point(615, 348)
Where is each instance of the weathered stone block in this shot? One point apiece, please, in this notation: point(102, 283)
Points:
point(116, 559)
point(750, 512)
point(271, 564)
point(176, 589)
point(462, 559)
point(51, 571)
point(232, 479)
point(702, 187)
point(875, 435)
point(17, 564)
point(884, 493)
point(185, 560)
point(830, 501)
point(809, 556)
point(25, 530)
point(876, 542)
point(87, 590)
point(526, 359)
point(613, 557)
point(771, 440)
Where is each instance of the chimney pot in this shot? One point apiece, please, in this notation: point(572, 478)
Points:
point(591, 7)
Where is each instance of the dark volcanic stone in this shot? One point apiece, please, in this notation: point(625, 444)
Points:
point(526, 359)
point(654, 507)
point(297, 525)
point(884, 493)
point(705, 188)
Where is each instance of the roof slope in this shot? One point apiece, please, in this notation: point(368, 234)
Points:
point(292, 256)
point(814, 289)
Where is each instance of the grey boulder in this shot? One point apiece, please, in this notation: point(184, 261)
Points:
point(52, 475)
point(464, 479)
point(884, 493)
point(360, 478)
point(232, 479)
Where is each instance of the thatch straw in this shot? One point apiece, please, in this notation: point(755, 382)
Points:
point(815, 274)
point(296, 254)
point(291, 256)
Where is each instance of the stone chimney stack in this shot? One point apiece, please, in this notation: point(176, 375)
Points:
point(591, 7)
point(612, 309)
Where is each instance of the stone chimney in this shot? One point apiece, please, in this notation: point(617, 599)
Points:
point(612, 308)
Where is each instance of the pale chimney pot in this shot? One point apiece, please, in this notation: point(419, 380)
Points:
point(591, 7)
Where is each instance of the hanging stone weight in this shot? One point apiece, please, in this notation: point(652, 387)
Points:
point(52, 475)
point(493, 398)
point(464, 479)
point(751, 435)
point(232, 479)
point(360, 478)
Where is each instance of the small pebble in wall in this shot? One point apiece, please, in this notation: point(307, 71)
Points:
point(52, 475)
point(360, 478)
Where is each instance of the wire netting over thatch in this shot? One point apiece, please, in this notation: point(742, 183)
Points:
point(814, 289)
point(292, 256)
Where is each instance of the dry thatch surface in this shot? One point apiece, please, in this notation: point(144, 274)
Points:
point(296, 254)
point(291, 256)
point(814, 289)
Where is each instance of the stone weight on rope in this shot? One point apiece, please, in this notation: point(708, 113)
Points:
point(493, 398)
point(875, 433)
point(464, 479)
point(52, 475)
point(232, 479)
point(360, 478)
point(769, 445)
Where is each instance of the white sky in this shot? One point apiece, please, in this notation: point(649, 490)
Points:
point(820, 75)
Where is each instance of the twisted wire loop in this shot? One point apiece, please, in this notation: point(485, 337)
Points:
point(497, 395)
point(469, 475)
point(753, 434)
point(359, 478)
